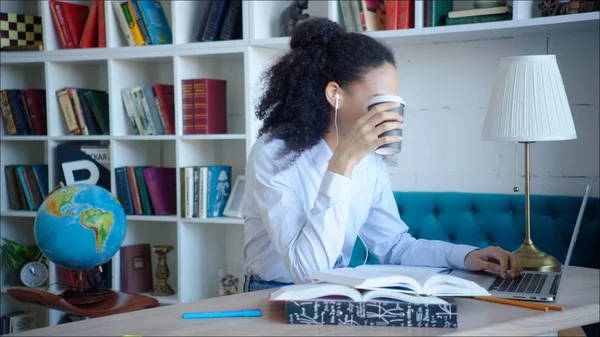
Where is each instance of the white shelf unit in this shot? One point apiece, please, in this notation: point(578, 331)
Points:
point(202, 246)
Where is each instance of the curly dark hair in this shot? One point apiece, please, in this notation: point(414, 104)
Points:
point(293, 107)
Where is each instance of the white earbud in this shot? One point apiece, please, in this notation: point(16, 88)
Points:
point(337, 105)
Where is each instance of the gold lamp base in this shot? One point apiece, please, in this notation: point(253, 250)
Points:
point(534, 259)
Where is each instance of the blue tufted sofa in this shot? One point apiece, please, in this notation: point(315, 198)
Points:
point(481, 220)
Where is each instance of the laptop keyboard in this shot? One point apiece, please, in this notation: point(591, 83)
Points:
point(524, 283)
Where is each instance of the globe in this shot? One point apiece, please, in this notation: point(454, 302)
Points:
point(80, 226)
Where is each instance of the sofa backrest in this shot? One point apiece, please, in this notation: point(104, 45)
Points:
point(482, 219)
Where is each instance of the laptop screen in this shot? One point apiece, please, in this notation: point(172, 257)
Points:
point(576, 231)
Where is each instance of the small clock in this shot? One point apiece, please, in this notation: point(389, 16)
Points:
point(34, 274)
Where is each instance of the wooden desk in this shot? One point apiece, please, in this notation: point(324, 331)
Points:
point(579, 296)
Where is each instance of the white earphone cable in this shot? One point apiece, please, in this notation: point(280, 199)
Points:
point(337, 103)
point(366, 249)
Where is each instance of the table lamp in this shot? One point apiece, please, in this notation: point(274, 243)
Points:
point(529, 104)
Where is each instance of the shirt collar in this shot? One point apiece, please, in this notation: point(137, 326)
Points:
point(321, 153)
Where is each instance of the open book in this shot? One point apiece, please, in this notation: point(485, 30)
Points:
point(423, 281)
point(327, 291)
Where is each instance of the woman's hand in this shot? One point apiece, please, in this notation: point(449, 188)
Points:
point(364, 138)
point(494, 259)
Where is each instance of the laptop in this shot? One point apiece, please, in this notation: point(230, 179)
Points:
point(530, 285)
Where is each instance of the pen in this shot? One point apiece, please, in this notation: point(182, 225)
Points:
point(523, 304)
point(220, 314)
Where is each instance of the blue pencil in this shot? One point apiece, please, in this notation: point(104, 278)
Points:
point(222, 314)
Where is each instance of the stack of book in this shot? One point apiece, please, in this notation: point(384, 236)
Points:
point(26, 185)
point(220, 20)
point(77, 25)
point(143, 22)
point(204, 191)
point(91, 278)
point(204, 106)
point(18, 321)
point(146, 190)
point(85, 110)
point(368, 16)
point(377, 295)
point(479, 15)
point(23, 111)
point(362, 16)
point(150, 109)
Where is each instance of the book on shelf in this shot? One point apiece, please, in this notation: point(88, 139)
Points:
point(204, 190)
point(18, 321)
point(479, 15)
point(85, 111)
point(419, 281)
point(84, 163)
point(399, 14)
point(26, 186)
point(79, 25)
point(150, 109)
point(219, 20)
point(146, 190)
point(377, 15)
point(334, 304)
point(18, 31)
point(136, 268)
point(23, 111)
point(436, 12)
point(204, 106)
point(143, 22)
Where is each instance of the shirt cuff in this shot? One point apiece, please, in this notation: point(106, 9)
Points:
point(337, 187)
point(458, 255)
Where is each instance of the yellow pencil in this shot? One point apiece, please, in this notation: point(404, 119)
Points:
point(522, 304)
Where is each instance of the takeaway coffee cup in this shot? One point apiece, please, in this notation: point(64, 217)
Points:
point(392, 148)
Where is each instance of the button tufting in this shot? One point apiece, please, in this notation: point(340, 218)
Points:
point(451, 237)
point(436, 212)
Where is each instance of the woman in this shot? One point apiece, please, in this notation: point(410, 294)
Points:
point(313, 181)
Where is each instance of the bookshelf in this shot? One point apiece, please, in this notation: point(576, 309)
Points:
point(202, 246)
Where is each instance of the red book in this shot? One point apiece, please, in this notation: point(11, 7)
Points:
point(75, 15)
point(165, 102)
point(406, 14)
point(89, 37)
point(60, 25)
point(36, 103)
point(210, 106)
point(391, 14)
point(136, 268)
point(187, 94)
point(101, 24)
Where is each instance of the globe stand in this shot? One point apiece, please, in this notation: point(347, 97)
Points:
point(82, 296)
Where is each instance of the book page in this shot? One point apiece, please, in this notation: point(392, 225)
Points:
point(419, 274)
point(358, 278)
point(300, 292)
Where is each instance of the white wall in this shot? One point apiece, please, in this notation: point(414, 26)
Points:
point(447, 87)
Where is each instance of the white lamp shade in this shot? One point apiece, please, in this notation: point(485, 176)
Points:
point(528, 102)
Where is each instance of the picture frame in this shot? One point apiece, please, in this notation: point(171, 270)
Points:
point(233, 207)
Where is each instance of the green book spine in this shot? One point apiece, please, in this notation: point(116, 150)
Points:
point(98, 102)
point(139, 176)
point(478, 19)
point(437, 11)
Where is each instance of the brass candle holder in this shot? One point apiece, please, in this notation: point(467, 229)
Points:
point(162, 287)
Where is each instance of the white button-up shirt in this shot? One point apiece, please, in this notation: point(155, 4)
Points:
point(304, 218)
